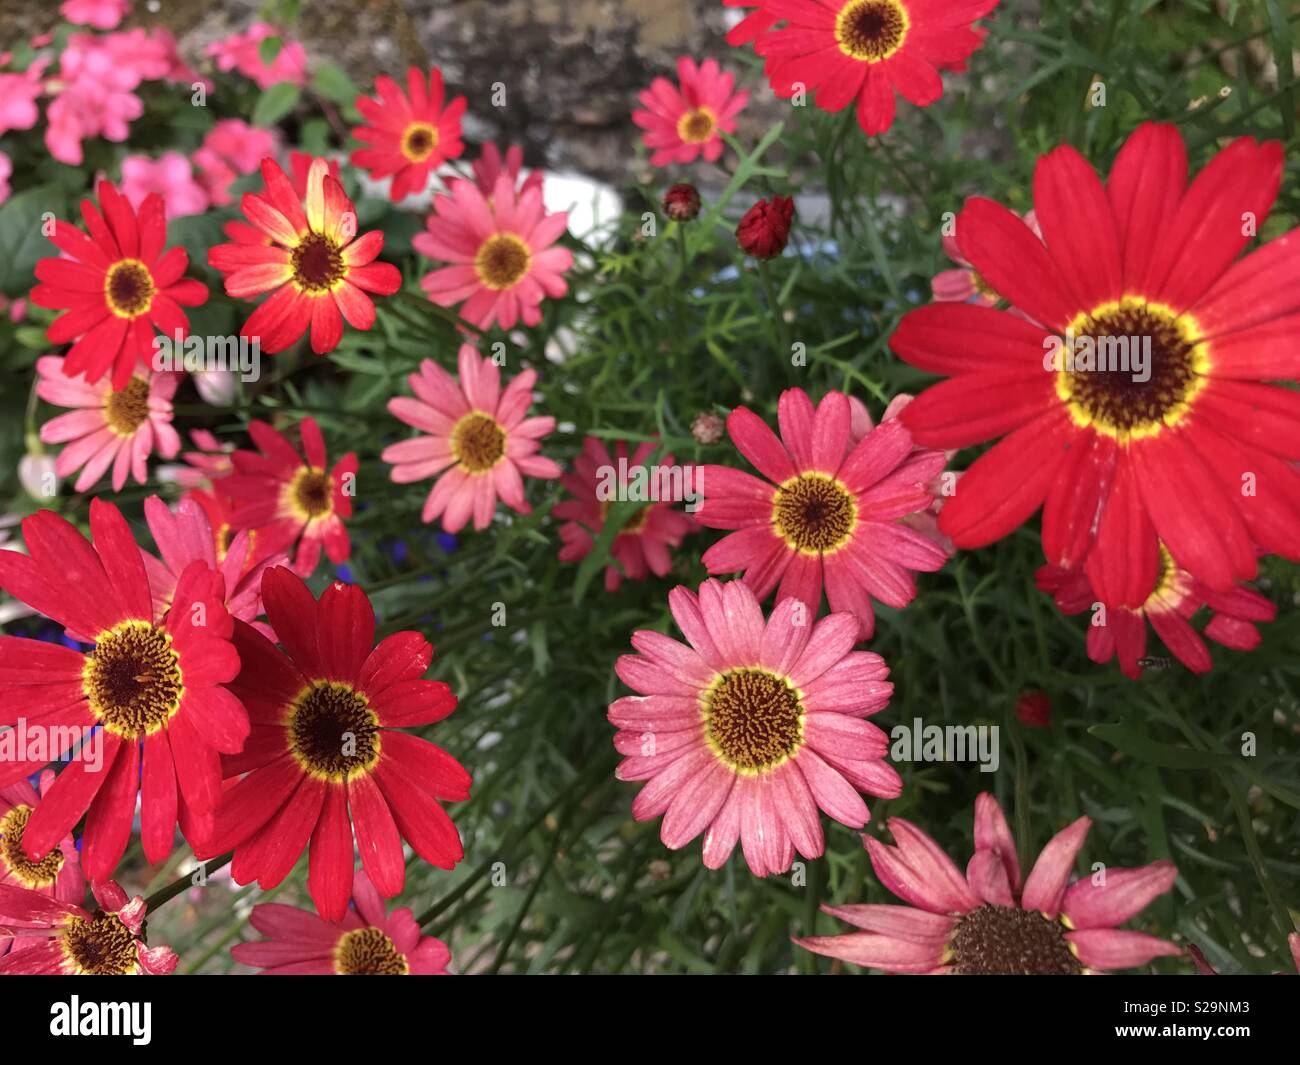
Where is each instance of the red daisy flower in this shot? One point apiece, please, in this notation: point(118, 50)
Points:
point(369, 941)
point(987, 922)
point(66, 940)
point(116, 285)
point(411, 134)
point(316, 268)
point(153, 684)
point(829, 511)
point(326, 713)
point(866, 50)
point(286, 499)
point(1170, 607)
point(751, 25)
point(59, 873)
point(1194, 452)
point(642, 544)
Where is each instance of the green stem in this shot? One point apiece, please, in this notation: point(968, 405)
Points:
point(184, 883)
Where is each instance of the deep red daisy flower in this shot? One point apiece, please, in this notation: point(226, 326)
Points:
point(326, 754)
point(116, 285)
point(316, 267)
point(284, 499)
point(410, 134)
point(1175, 600)
point(866, 50)
point(152, 684)
point(1194, 451)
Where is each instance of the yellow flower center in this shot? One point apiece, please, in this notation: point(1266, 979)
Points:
point(100, 946)
point(695, 127)
point(814, 513)
point(310, 494)
point(132, 679)
point(368, 952)
point(478, 441)
point(502, 261)
point(12, 857)
point(317, 264)
point(129, 288)
point(419, 141)
point(753, 719)
point(126, 409)
point(332, 731)
point(871, 30)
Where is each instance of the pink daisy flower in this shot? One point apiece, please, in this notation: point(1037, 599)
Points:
point(186, 536)
point(751, 729)
point(989, 923)
point(501, 251)
point(480, 443)
point(490, 165)
point(170, 176)
point(828, 513)
point(117, 427)
point(682, 122)
point(209, 460)
point(642, 544)
point(963, 284)
point(286, 499)
point(69, 941)
point(1174, 601)
point(369, 941)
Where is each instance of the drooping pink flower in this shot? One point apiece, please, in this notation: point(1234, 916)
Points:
point(490, 165)
point(231, 148)
point(242, 52)
point(501, 252)
point(186, 535)
point(962, 284)
point(828, 514)
point(108, 427)
point(1174, 600)
point(209, 460)
point(102, 14)
point(66, 940)
point(989, 922)
point(751, 729)
point(369, 941)
point(683, 122)
point(643, 544)
point(480, 443)
point(170, 176)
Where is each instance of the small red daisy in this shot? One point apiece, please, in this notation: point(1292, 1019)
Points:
point(286, 499)
point(326, 754)
point(117, 285)
point(316, 267)
point(153, 684)
point(410, 134)
point(867, 50)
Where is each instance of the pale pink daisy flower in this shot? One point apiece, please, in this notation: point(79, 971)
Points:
point(170, 176)
point(117, 427)
point(751, 729)
point(102, 14)
point(987, 922)
point(643, 544)
point(682, 122)
point(369, 941)
point(186, 535)
point(242, 52)
point(827, 515)
point(480, 443)
point(502, 254)
point(490, 165)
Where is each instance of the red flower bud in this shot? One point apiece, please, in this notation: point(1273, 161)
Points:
point(682, 202)
point(765, 229)
point(1034, 709)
